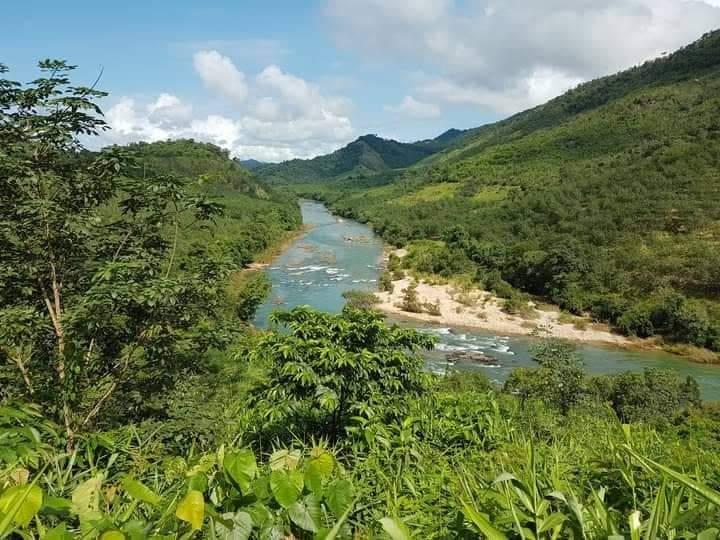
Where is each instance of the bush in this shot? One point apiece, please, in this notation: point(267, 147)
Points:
point(385, 283)
point(361, 299)
point(433, 308)
point(636, 322)
point(410, 301)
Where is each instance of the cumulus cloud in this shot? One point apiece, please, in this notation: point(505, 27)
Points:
point(220, 75)
point(275, 115)
point(413, 108)
point(510, 54)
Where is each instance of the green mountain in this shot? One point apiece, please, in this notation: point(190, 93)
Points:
point(256, 216)
point(251, 164)
point(605, 199)
point(363, 157)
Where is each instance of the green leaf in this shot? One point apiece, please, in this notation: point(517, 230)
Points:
point(138, 490)
point(112, 535)
point(284, 459)
point(241, 467)
point(241, 529)
point(482, 523)
point(552, 521)
point(284, 488)
point(319, 469)
point(335, 531)
point(301, 515)
point(86, 499)
point(702, 490)
point(192, 509)
point(709, 534)
point(22, 503)
point(58, 533)
point(395, 528)
point(198, 482)
point(339, 495)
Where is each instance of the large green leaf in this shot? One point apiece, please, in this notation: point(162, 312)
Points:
point(138, 490)
point(285, 486)
point(339, 495)
point(305, 514)
point(285, 459)
point(395, 528)
point(241, 525)
point(318, 470)
point(22, 503)
point(86, 499)
point(58, 533)
point(192, 509)
point(241, 467)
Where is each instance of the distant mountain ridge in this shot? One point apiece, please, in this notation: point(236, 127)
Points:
point(365, 156)
point(251, 164)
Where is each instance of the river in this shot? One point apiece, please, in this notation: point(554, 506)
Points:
point(338, 255)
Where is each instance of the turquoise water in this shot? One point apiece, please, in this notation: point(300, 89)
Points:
point(337, 255)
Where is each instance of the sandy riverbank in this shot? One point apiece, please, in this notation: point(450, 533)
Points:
point(480, 309)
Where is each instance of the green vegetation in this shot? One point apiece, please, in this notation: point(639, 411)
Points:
point(115, 266)
point(604, 200)
point(364, 157)
point(334, 431)
point(135, 401)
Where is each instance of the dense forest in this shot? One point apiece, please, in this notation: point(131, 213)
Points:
point(136, 402)
point(604, 200)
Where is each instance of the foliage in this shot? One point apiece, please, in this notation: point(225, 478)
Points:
point(225, 493)
point(410, 301)
point(91, 289)
point(331, 368)
point(113, 272)
point(251, 294)
point(361, 299)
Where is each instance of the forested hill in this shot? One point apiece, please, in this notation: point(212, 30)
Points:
point(256, 216)
point(365, 156)
point(206, 162)
point(605, 199)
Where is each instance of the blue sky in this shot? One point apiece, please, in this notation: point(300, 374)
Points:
point(280, 79)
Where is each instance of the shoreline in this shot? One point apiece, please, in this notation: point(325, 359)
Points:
point(483, 311)
point(486, 314)
point(267, 257)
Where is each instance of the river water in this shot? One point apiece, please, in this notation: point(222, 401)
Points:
point(338, 255)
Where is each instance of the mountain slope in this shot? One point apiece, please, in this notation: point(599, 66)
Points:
point(365, 156)
point(606, 199)
point(256, 216)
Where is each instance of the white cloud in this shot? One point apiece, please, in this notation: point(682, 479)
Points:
point(169, 110)
point(275, 116)
point(511, 54)
point(220, 75)
point(413, 108)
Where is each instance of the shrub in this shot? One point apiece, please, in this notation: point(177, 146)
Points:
point(385, 283)
point(361, 299)
point(636, 322)
point(410, 301)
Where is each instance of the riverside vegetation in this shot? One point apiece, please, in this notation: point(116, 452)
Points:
point(604, 201)
point(136, 403)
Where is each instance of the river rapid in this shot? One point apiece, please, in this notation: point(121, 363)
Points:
point(338, 255)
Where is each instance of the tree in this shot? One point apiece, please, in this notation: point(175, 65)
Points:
point(94, 296)
point(253, 293)
point(328, 368)
point(562, 372)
